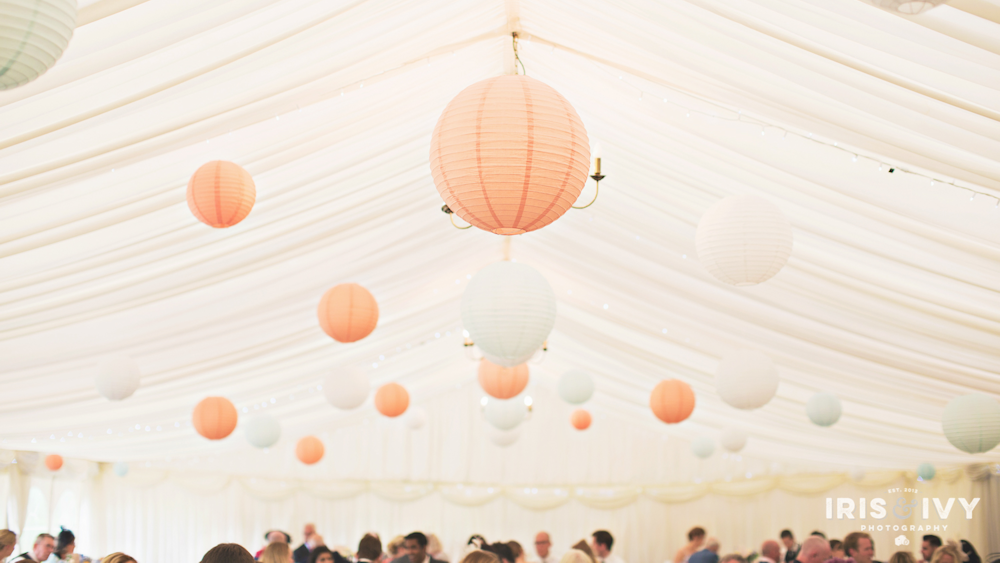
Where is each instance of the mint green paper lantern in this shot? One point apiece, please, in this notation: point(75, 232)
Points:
point(823, 409)
point(926, 471)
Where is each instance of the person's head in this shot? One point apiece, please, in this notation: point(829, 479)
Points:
point(732, 558)
point(696, 535)
point(307, 531)
point(8, 541)
point(602, 542)
point(787, 539)
point(227, 553)
point(516, 550)
point(837, 549)
point(501, 550)
point(814, 550)
point(575, 556)
point(902, 557)
point(416, 547)
point(946, 554)
point(970, 551)
point(433, 544)
point(930, 543)
point(321, 554)
point(860, 547)
point(771, 550)
point(712, 544)
point(480, 556)
point(45, 544)
point(65, 543)
point(396, 546)
point(542, 544)
point(370, 547)
point(275, 536)
point(583, 546)
point(277, 552)
point(818, 533)
point(119, 557)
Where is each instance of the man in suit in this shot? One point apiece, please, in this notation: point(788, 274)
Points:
point(601, 542)
point(860, 547)
point(770, 552)
point(791, 548)
point(45, 544)
point(415, 545)
point(370, 549)
point(301, 553)
point(708, 555)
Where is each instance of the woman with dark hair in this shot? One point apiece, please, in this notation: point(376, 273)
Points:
point(65, 547)
point(501, 550)
point(227, 553)
point(321, 554)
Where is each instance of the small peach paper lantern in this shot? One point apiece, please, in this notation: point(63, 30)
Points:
point(509, 155)
point(309, 450)
point(672, 401)
point(347, 312)
point(392, 400)
point(502, 382)
point(214, 418)
point(221, 194)
point(580, 419)
point(53, 462)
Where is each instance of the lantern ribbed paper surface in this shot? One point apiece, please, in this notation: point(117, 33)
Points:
point(214, 418)
point(33, 35)
point(221, 194)
point(347, 388)
point(733, 438)
point(502, 382)
point(823, 409)
point(580, 419)
point(672, 401)
point(509, 155)
point(909, 7)
point(746, 379)
point(392, 400)
point(54, 462)
point(743, 240)
point(117, 378)
point(509, 310)
point(972, 423)
point(263, 431)
point(576, 387)
point(309, 450)
point(703, 447)
point(347, 312)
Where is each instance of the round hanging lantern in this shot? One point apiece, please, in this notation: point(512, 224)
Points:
point(672, 401)
point(580, 419)
point(746, 379)
point(509, 310)
point(505, 415)
point(733, 438)
point(908, 7)
point(743, 240)
point(926, 471)
point(347, 312)
point(54, 462)
point(576, 387)
point(972, 423)
point(214, 418)
point(416, 418)
point(823, 409)
point(502, 382)
point(347, 388)
point(221, 194)
point(263, 431)
point(509, 155)
point(117, 376)
point(309, 450)
point(392, 400)
point(33, 36)
point(503, 438)
point(703, 447)
point(121, 469)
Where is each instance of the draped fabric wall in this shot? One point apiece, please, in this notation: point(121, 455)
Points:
point(158, 516)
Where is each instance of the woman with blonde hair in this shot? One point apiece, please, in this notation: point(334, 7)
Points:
point(277, 552)
point(480, 556)
point(584, 547)
point(118, 557)
point(8, 541)
point(395, 547)
point(435, 550)
point(902, 557)
point(576, 556)
point(946, 554)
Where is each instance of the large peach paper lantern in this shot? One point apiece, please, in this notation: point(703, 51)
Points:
point(309, 450)
point(54, 462)
point(221, 194)
point(580, 419)
point(33, 35)
point(743, 240)
point(509, 155)
point(502, 382)
point(392, 399)
point(347, 312)
point(672, 401)
point(214, 418)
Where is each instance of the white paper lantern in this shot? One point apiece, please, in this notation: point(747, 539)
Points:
point(733, 438)
point(121, 469)
point(505, 415)
point(262, 431)
point(823, 409)
point(908, 7)
point(117, 377)
point(33, 35)
point(504, 438)
point(926, 471)
point(703, 447)
point(347, 388)
point(416, 418)
point(576, 387)
point(746, 379)
point(743, 240)
point(509, 310)
point(972, 423)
